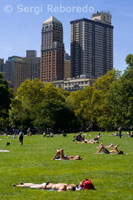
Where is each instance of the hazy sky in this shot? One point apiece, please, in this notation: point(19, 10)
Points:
point(21, 22)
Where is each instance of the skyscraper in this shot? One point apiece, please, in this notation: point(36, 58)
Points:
point(92, 46)
point(1, 64)
point(31, 57)
point(52, 51)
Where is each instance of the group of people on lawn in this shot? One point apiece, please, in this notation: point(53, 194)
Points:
point(61, 156)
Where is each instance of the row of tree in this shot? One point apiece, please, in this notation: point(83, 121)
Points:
point(107, 105)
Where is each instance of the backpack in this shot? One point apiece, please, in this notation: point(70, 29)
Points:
point(87, 184)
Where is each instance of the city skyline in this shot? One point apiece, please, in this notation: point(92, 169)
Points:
point(22, 38)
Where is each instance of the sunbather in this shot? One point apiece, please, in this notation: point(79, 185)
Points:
point(60, 155)
point(85, 184)
point(91, 141)
point(114, 150)
point(49, 186)
point(98, 136)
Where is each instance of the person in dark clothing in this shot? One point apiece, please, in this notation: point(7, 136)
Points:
point(21, 137)
point(120, 135)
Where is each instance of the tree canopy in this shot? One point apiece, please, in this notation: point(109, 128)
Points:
point(5, 100)
point(106, 105)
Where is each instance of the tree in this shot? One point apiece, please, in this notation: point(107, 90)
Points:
point(5, 99)
point(74, 102)
point(101, 112)
point(129, 60)
point(19, 116)
point(29, 97)
point(53, 114)
point(89, 104)
point(120, 97)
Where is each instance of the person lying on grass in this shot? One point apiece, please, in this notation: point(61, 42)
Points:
point(91, 141)
point(49, 186)
point(103, 148)
point(85, 184)
point(60, 155)
point(98, 136)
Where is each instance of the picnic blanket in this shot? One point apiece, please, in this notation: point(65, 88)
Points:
point(4, 151)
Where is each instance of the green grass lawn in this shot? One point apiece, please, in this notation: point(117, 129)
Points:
point(112, 175)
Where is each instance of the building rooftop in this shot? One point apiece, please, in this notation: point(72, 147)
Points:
point(102, 18)
point(51, 19)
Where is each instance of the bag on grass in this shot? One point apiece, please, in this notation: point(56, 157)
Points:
point(87, 184)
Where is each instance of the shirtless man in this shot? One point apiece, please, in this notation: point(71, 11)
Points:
point(60, 155)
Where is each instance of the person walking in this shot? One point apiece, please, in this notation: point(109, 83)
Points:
point(120, 135)
point(21, 137)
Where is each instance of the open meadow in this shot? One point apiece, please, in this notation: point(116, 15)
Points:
point(112, 175)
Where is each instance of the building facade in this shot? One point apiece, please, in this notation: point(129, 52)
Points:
point(18, 69)
point(67, 69)
point(52, 51)
point(1, 65)
point(92, 46)
point(74, 84)
point(34, 62)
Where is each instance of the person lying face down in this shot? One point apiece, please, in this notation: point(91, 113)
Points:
point(60, 155)
point(103, 148)
point(49, 186)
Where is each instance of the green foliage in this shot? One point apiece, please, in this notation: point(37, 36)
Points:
point(53, 114)
point(120, 98)
point(19, 116)
point(129, 60)
point(40, 105)
point(90, 104)
point(30, 93)
point(108, 104)
point(101, 111)
point(5, 99)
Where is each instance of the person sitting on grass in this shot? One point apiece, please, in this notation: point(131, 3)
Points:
point(49, 186)
point(79, 137)
point(103, 148)
point(60, 155)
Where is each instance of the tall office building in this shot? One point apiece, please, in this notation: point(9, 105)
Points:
point(34, 61)
point(52, 51)
point(92, 46)
point(1, 64)
point(18, 69)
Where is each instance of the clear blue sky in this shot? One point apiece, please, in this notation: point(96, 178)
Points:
point(21, 29)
